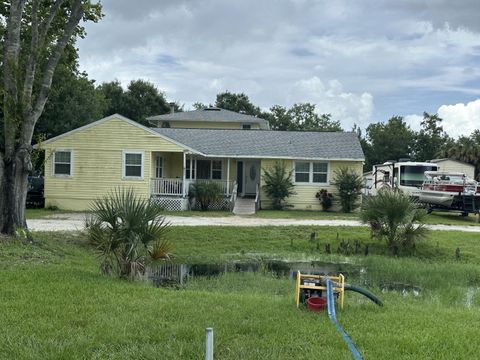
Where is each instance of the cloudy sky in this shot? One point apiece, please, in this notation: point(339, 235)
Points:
point(361, 61)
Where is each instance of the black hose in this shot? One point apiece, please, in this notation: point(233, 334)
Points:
point(364, 292)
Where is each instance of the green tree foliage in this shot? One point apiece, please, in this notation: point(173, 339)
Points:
point(301, 117)
point(349, 186)
point(141, 100)
point(428, 142)
point(199, 106)
point(278, 184)
point(304, 117)
point(115, 96)
point(466, 149)
point(237, 102)
point(126, 230)
point(279, 119)
point(73, 102)
point(387, 141)
point(395, 218)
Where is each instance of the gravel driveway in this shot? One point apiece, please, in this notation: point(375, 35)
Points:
point(75, 221)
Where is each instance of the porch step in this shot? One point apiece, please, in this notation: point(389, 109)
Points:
point(244, 207)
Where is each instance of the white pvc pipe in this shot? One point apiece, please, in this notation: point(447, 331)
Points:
point(209, 344)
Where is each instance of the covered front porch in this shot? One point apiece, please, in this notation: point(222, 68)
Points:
point(174, 173)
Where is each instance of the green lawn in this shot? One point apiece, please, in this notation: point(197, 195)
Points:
point(54, 304)
point(305, 214)
point(451, 218)
point(39, 213)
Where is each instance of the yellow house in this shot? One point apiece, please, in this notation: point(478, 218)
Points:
point(161, 163)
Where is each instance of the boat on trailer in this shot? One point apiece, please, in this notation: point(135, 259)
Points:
point(449, 191)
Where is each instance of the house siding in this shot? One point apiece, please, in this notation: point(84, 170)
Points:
point(97, 163)
point(456, 166)
point(304, 197)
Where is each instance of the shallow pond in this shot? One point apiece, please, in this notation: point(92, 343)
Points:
point(179, 273)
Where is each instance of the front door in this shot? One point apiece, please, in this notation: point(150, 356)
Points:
point(239, 177)
point(251, 177)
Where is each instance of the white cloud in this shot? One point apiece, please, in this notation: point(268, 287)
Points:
point(347, 107)
point(413, 120)
point(409, 56)
point(460, 119)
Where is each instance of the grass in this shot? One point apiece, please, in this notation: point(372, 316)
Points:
point(54, 303)
point(451, 218)
point(305, 214)
point(40, 213)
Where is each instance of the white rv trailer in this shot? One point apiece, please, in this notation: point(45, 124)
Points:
point(407, 176)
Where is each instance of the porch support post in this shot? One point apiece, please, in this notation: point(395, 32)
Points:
point(195, 169)
point(228, 177)
point(184, 173)
point(191, 167)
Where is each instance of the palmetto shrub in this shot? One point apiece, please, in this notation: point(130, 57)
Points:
point(395, 218)
point(206, 193)
point(278, 184)
point(349, 186)
point(127, 231)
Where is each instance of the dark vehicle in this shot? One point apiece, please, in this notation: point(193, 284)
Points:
point(35, 192)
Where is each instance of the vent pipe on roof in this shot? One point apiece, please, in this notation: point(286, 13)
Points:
point(172, 107)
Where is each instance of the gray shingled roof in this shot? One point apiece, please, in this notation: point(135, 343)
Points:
point(268, 143)
point(211, 114)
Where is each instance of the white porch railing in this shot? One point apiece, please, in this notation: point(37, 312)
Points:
point(174, 187)
point(166, 187)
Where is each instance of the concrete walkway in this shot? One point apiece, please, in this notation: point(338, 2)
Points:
point(68, 222)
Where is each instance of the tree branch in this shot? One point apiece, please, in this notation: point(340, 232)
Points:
point(45, 26)
point(10, 69)
point(39, 36)
point(30, 121)
point(31, 62)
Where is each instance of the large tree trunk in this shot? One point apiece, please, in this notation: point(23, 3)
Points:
point(22, 108)
point(14, 183)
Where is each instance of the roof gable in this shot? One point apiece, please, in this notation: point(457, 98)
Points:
point(115, 117)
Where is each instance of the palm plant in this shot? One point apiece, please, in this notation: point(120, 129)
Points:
point(122, 227)
point(395, 218)
point(278, 184)
point(349, 186)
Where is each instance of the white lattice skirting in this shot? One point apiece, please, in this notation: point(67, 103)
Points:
point(171, 203)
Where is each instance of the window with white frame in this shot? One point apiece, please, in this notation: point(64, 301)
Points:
point(62, 163)
point(311, 172)
point(158, 167)
point(204, 169)
point(320, 172)
point(132, 165)
point(302, 171)
point(217, 169)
